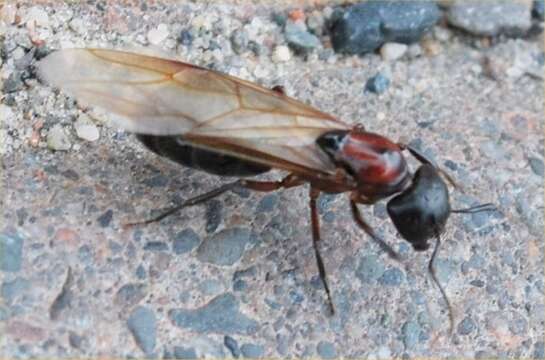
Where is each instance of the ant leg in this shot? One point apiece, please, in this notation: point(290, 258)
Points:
point(287, 182)
point(425, 160)
point(356, 214)
point(189, 202)
point(315, 221)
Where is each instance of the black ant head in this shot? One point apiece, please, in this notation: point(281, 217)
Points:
point(422, 210)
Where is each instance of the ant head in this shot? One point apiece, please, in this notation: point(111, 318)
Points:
point(421, 211)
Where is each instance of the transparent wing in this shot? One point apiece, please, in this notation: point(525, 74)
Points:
point(156, 96)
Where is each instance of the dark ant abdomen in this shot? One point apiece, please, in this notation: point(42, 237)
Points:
point(173, 148)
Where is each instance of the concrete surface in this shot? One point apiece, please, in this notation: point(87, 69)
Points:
point(74, 282)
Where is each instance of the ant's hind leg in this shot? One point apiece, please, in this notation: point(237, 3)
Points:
point(264, 186)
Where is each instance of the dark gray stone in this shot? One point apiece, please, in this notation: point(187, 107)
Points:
point(391, 277)
point(181, 352)
point(369, 269)
point(539, 350)
point(326, 350)
point(13, 83)
point(213, 215)
point(185, 241)
point(239, 41)
point(252, 351)
point(185, 38)
point(130, 294)
point(537, 165)
point(105, 219)
point(231, 344)
point(365, 27)
point(225, 247)
point(411, 334)
point(11, 252)
point(300, 40)
point(466, 326)
point(377, 84)
point(142, 325)
point(220, 315)
point(158, 180)
point(156, 246)
point(267, 203)
point(538, 11)
point(490, 18)
point(13, 289)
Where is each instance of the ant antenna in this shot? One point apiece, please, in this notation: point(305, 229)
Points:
point(476, 209)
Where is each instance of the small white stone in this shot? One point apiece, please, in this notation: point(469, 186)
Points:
point(392, 51)
point(17, 53)
point(77, 25)
point(57, 139)
point(8, 13)
point(158, 35)
point(86, 129)
point(36, 17)
point(281, 54)
point(381, 116)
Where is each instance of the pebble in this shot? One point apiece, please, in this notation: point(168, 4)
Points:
point(220, 315)
point(185, 37)
point(281, 53)
point(11, 252)
point(267, 203)
point(252, 351)
point(231, 344)
point(369, 269)
point(57, 139)
point(378, 84)
point(158, 34)
point(411, 334)
point(326, 350)
point(392, 51)
point(181, 352)
point(142, 325)
point(391, 277)
point(537, 166)
point(538, 11)
point(225, 247)
point(213, 215)
point(316, 22)
point(11, 290)
point(78, 26)
point(36, 17)
point(300, 40)
point(105, 219)
point(156, 246)
point(366, 26)
point(539, 350)
point(86, 129)
point(13, 83)
point(8, 13)
point(466, 326)
point(185, 241)
point(239, 41)
point(490, 18)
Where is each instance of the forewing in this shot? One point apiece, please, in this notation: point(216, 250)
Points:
point(157, 96)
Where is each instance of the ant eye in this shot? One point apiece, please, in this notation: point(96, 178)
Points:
point(422, 210)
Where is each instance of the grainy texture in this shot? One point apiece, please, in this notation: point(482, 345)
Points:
point(475, 107)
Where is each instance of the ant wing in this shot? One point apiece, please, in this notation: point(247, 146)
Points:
point(157, 96)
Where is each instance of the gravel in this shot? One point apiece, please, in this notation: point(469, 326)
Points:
point(11, 252)
point(220, 315)
point(225, 247)
point(365, 27)
point(143, 327)
point(511, 18)
point(240, 271)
